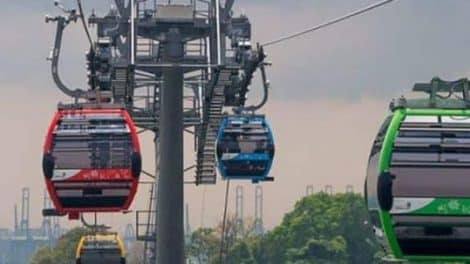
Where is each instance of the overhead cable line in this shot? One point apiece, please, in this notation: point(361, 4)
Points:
point(223, 234)
point(328, 23)
point(203, 205)
point(82, 18)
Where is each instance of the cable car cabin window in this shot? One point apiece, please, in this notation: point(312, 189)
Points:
point(91, 141)
point(431, 157)
point(99, 256)
point(430, 182)
point(456, 120)
point(420, 119)
point(378, 141)
point(433, 235)
point(244, 144)
point(93, 151)
point(100, 244)
point(372, 167)
point(239, 137)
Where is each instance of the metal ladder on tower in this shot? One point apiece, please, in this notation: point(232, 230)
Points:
point(150, 237)
point(120, 83)
point(206, 159)
point(151, 241)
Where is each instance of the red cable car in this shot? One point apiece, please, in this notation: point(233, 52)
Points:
point(91, 160)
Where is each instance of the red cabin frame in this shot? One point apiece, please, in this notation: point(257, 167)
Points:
point(104, 178)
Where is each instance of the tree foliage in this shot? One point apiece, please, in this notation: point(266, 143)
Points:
point(42, 256)
point(204, 246)
point(321, 228)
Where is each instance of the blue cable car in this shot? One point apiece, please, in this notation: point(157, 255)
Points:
point(245, 148)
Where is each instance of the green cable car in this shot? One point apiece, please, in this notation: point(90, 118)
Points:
point(418, 178)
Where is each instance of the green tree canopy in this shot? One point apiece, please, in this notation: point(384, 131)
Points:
point(321, 228)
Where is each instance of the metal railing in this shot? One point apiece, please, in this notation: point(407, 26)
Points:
point(145, 229)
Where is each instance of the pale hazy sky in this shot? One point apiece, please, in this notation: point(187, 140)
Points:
point(330, 91)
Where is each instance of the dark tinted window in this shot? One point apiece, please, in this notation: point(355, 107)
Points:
point(433, 235)
point(431, 182)
point(92, 151)
point(100, 244)
point(379, 138)
point(245, 138)
point(91, 140)
point(372, 167)
point(432, 141)
point(431, 157)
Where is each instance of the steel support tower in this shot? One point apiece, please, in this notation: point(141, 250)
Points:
point(170, 242)
point(174, 66)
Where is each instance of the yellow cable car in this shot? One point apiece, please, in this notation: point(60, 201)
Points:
point(100, 249)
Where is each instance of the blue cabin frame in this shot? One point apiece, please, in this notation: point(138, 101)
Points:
point(231, 157)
